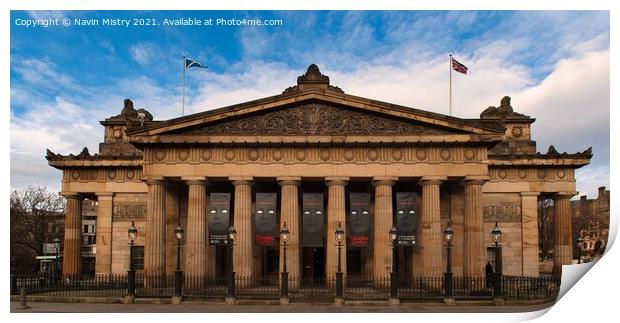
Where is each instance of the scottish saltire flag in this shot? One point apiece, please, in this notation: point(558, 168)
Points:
point(458, 66)
point(189, 63)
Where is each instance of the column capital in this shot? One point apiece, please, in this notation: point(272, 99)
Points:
point(432, 180)
point(241, 180)
point(153, 180)
point(384, 180)
point(563, 195)
point(289, 181)
point(194, 178)
point(475, 180)
point(336, 181)
point(524, 194)
point(72, 195)
point(104, 195)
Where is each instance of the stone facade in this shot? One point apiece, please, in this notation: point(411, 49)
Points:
point(314, 138)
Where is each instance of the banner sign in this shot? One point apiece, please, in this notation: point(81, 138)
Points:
point(359, 219)
point(219, 218)
point(312, 216)
point(406, 217)
point(265, 224)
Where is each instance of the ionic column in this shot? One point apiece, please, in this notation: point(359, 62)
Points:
point(335, 214)
point(242, 256)
point(430, 230)
point(562, 251)
point(72, 259)
point(196, 241)
point(382, 246)
point(289, 213)
point(103, 260)
point(154, 246)
point(474, 249)
point(529, 229)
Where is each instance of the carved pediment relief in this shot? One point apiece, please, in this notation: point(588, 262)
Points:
point(317, 119)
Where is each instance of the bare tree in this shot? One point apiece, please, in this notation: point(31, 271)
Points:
point(545, 227)
point(36, 218)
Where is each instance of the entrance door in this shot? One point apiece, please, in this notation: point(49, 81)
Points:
point(313, 262)
point(354, 262)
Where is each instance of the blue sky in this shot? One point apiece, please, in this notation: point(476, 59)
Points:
point(554, 64)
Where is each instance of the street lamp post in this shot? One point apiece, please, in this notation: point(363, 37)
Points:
point(579, 248)
point(339, 238)
point(284, 275)
point(178, 274)
point(448, 234)
point(231, 274)
point(57, 265)
point(496, 234)
point(131, 273)
point(394, 273)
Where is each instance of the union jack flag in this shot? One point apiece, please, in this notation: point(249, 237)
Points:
point(458, 66)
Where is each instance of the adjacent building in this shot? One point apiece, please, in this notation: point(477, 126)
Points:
point(313, 158)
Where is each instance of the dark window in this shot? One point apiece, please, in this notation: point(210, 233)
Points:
point(138, 258)
point(85, 228)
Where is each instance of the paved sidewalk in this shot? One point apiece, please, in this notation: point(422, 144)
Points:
point(44, 307)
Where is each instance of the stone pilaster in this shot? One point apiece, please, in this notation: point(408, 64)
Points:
point(289, 213)
point(335, 214)
point(72, 256)
point(474, 251)
point(243, 249)
point(563, 251)
point(430, 228)
point(154, 246)
point(529, 229)
point(196, 241)
point(382, 246)
point(103, 260)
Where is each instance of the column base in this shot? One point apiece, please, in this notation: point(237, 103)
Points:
point(129, 299)
point(499, 302)
point(231, 300)
point(449, 301)
point(394, 301)
point(339, 301)
point(284, 301)
point(176, 300)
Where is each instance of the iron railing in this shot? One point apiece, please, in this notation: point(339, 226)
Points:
point(300, 289)
point(421, 289)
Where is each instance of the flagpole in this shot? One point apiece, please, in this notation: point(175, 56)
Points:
point(450, 66)
point(183, 105)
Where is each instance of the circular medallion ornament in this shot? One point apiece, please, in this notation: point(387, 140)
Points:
point(372, 154)
point(522, 174)
point(349, 154)
point(301, 154)
point(229, 154)
point(207, 154)
point(541, 173)
point(561, 173)
point(444, 154)
point(325, 154)
point(131, 174)
point(160, 154)
point(470, 154)
point(183, 154)
point(502, 174)
point(517, 131)
point(420, 154)
point(112, 174)
point(397, 154)
point(277, 154)
point(253, 154)
point(117, 134)
point(75, 174)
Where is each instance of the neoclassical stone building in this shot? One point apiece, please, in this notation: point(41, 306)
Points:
point(314, 156)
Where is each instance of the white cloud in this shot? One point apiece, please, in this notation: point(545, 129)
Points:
point(143, 53)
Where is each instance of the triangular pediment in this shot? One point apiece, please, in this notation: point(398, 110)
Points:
point(316, 119)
